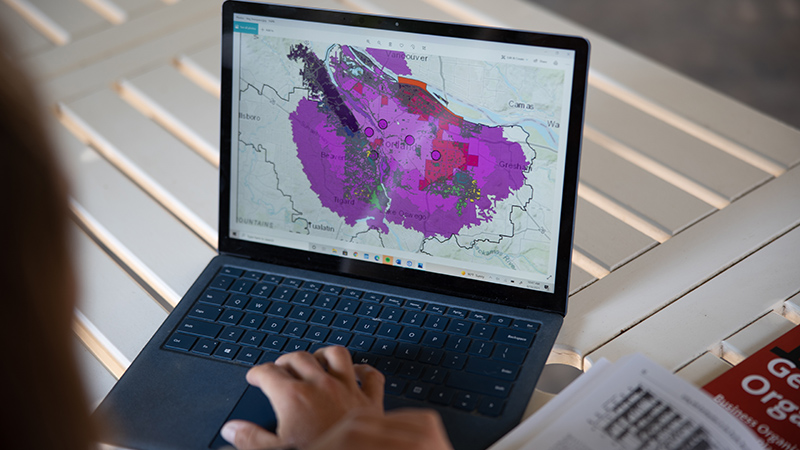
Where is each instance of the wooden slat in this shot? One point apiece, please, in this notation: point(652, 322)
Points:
point(660, 203)
point(131, 318)
point(180, 106)
point(718, 308)
point(755, 336)
point(710, 167)
point(202, 67)
point(72, 15)
point(131, 8)
point(578, 279)
point(176, 176)
point(97, 380)
point(24, 38)
point(159, 31)
point(610, 306)
point(703, 369)
point(605, 239)
point(169, 253)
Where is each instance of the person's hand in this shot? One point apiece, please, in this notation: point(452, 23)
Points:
point(310, 393)
point(404, 429)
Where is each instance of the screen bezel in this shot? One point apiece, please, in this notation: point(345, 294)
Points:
point(401, 276)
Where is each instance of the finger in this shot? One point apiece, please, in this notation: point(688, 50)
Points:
point(269, 377)
point(338, 362)
point(302, 365)
point(372, 382)
point(247, 435)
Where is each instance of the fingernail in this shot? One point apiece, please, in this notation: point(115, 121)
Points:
point(229, 430)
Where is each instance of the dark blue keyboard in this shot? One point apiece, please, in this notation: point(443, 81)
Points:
point(450, 356)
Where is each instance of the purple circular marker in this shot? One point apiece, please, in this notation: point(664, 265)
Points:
point(435, 155)
point(409, 139)
point(369, 131)
point(382, 124)
point(374, 155)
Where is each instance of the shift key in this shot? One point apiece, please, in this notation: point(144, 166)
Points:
point(200, 328)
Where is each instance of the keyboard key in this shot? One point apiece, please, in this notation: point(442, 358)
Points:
point(364, 358)
point(494, 369)
point(282, 293)
point(526, 325)
point(180, 341)
point(214, 297)
point(352, 293)
point(338, 337)
point(295, 329)
point(393, 301)
point(237, 301)
point(344, 322)
point(410, 370)
point(482, 331)
point(253, 338)
point(457, 312)
point(408, 351)
point(459, 326)
point(436, 309)
point(232, 271)
point(388, 366)
point(436, 323)
point(300, 313)
point(242, 286)
point(207, 312)
point(226, 351)
point(391, 314)
point(418, 391)
point(481, 348)
point(431, 356)
point(478, 316)
point(231, 334)
point(413, 318)
point(368, 310)
point(252, 275)
point(296, 345)
point(326, 301)
point(416, 305)
point(434, 339)
point(441, 395)
point(231, 317)
point(500, 321)
point(454, 360)
point(477, 383)
point(384, 347)
point(274, 343)
point(372, 297)
point(347, 305)
point(257, 305)
point(330, 289)
point(248, 356)
point(321, 317)
point(508, 353)
point(311, 286)
point(317, 334)
point(273, 325)
point(410, 334)
point(366, 326)
point(278, 309)
point(222, 282)
point(304, 298)
point(394, 386)
point(200, 328)
point(205, 347)
point(361, 342)
point(388, 330)
point(465, 401)
point(458, 343)
point(262, 290)
point(434, 375)
point(252, 321)
point(292, 282)
point(514, 337)
point(491, 407)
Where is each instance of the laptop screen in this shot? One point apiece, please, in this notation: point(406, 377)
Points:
point(368, 141)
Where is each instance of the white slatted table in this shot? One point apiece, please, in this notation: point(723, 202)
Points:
point(687, 237)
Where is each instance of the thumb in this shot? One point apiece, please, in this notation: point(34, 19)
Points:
point(248, 436)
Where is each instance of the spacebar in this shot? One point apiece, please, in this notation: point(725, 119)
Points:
point(479, 384)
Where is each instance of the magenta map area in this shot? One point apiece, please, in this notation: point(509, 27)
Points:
point(378, 147)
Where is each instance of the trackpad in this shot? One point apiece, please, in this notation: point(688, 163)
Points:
point(254, 407)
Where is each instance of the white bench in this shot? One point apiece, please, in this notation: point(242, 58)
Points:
point(686, 244)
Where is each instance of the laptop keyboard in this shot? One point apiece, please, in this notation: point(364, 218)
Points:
point(461, 358)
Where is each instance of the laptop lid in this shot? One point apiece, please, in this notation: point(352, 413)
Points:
point(436, 156)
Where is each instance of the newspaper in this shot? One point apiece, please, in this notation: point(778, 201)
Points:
point(631, 404)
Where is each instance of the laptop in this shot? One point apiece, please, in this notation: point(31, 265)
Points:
point(402, 188)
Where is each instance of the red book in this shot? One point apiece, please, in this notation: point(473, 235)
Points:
point(763, 391)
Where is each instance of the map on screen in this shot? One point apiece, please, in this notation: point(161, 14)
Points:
point(395, 149)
